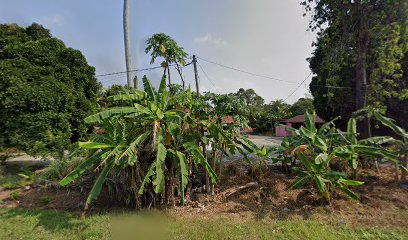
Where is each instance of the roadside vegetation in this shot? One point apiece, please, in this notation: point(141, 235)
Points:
point(170, 155)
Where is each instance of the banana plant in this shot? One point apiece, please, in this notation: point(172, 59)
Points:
point(150, 136)
point(315, 149)
point(116, 147)
point(401, 145)
point(317, 171)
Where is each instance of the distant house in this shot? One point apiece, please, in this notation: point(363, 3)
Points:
point(225, 120)
point(295, 122)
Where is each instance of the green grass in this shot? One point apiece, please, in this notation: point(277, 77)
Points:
point(48, 224)
point(14, 176)
point(9, 181)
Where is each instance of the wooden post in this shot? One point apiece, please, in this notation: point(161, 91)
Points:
point(207, 177)
point(136, 82)
point(196, 74)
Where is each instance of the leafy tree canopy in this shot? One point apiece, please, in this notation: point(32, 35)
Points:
point(46, 90)
point(360, 57)
point(162, 45)
point(301, 106)
point(263, 116)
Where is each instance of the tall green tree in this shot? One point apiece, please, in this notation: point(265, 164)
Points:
point(254, 102)
point(359, 51)
point(302, 106)
point(46, 89)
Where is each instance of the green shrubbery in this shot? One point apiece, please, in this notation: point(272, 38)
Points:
point(316, 154)
point(151, 146)
point(46, 90)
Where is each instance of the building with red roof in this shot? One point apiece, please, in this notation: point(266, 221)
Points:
point(295, 122)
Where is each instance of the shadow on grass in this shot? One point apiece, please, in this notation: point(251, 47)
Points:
point(50, 220)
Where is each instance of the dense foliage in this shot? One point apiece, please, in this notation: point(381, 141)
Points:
point(162, 45)
point(46, 89)
point(152, 146)
point(326, 157)
point(360, 58)
point(263, 117)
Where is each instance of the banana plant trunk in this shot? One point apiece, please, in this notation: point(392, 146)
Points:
point(404, 172)
point(214, 158)
point(396, 172)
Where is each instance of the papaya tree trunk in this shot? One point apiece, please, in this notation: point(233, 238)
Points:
point(180, 72)
point(168, 72)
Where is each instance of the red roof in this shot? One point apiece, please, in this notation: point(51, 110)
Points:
point(301, 119)
point(225, 120)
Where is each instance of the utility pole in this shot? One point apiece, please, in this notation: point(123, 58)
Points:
point(196, 74)
point(208, 186)
point(127, 42)
point(136, 82)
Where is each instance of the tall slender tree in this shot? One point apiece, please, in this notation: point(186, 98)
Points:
point(127, 44)
point(359, 51)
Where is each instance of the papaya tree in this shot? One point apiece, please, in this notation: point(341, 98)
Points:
point(162, 45)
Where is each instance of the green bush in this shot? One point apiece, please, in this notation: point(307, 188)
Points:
point(46, 89)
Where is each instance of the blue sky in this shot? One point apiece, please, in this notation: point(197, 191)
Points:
point(266, 37)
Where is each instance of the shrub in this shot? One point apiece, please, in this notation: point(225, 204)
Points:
point(316, 150)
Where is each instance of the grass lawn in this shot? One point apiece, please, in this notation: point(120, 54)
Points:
point(50, 224)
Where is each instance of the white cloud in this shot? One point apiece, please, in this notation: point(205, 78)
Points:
point(52, 20)
point(209, 39)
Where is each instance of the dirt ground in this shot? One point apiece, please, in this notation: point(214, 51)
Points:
point(383, 202)
point(267, 141)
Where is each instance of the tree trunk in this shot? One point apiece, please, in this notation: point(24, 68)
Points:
point(214, 158)
point(207, 177)
point(189, 184)
point(361, 71)
point(224, 149)
point(405, 164)
point(180, 72)
point(396, 176)
point(127, 42)
point(168, 71)
point(135, 186)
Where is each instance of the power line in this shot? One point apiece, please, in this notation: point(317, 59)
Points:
point(112, 79)
point(102, 79)
point(326, 86)
point(206, 75)
point(136, 70)
point(300, 84)
point(246, 72)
